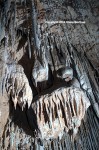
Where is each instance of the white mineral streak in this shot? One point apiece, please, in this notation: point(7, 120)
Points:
point(18, 86)
point(63, 109)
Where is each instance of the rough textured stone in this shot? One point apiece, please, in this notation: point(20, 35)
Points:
point(24, 34)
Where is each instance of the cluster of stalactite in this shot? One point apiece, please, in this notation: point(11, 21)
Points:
point(17, 85)
point(63, 109)
point(86, 138)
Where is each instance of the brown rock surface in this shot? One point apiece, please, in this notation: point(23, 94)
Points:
point(24, 32)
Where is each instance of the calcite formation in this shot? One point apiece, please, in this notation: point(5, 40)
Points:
point(17, 86)
point(62, 110)
point(40, 71)
point(49, 61)
point(65, 73)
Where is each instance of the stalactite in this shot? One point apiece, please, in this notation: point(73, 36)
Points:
point(34, 25)
point(82, 74)
point(17, 85)
point(39, 72)
point(29, 46)
point(59, 122)
point(87, 87)
point(63, 109)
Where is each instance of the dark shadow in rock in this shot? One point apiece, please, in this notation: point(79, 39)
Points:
point(50, 77)
point(25, 119)
point(22, 41)
point(32, 119)
point(27, 64)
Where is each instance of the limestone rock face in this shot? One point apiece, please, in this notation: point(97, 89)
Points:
point(38, 39)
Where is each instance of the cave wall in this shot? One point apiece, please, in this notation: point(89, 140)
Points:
point(18, 42)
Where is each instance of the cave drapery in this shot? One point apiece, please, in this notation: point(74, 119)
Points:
point(49, 74)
